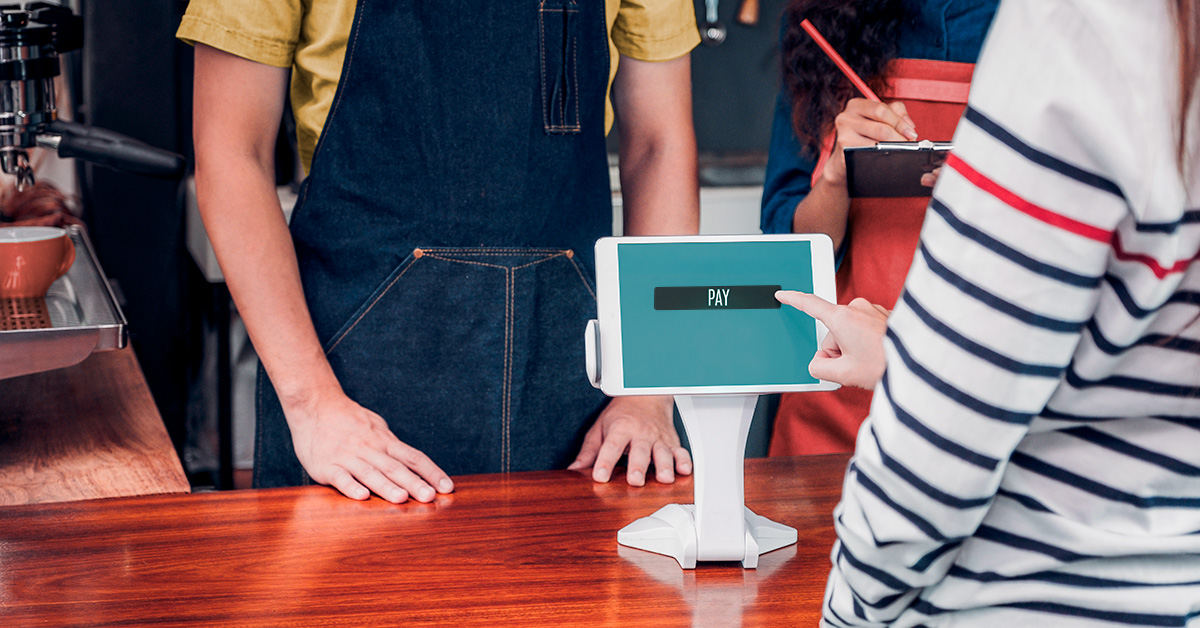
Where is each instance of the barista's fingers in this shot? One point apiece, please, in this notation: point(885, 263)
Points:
point(415, 461)
point(638, 462)
point(664, 462)
point(367, 472)
point(401, 475)
point(683, 460)
point(345, 483)
point(610, 452)
point(590, 449)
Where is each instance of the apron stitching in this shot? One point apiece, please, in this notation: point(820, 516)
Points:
point(581, 276)
point(542, 66)
point(575, 79)
point(463, 261)
point(536, 262)
point(369, 308)
point(493, 252)
point(506, 443)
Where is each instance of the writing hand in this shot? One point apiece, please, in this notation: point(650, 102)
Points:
point(863, 123)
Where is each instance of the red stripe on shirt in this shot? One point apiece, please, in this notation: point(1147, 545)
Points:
point(1159, 270)
point(1091, 232)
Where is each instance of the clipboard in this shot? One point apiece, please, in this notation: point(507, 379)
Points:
point(893, 169)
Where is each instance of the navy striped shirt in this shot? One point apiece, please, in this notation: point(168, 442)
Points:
point(1032, 457)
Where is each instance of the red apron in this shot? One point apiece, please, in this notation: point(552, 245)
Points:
point(881, 237)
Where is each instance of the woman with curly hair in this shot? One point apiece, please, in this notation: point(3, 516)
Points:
point(918, 56)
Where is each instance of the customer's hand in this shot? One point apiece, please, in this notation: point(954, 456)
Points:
point(349, 447)
point(852, 352)
point(863, 123)
point(643, 426)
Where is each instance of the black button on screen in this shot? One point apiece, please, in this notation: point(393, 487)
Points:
point(716, 298)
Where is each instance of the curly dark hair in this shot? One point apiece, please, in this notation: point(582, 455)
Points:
point(864, 32)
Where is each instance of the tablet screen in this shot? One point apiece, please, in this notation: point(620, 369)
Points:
point(704, 314)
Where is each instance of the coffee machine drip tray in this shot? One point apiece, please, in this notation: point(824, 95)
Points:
point(78, 316)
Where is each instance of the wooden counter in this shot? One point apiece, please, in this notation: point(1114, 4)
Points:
point(83, 432)
point(527, 549)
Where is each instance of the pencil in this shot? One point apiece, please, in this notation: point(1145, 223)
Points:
point(838, 60)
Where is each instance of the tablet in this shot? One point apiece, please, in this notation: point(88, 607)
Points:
point(893, 169)
point(698, 315)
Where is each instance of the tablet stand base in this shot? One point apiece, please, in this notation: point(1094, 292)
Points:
point(718, 527)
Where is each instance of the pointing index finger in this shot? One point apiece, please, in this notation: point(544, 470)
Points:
point(810, 304)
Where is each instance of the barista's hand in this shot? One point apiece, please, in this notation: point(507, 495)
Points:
point(863, 123)
point(345, 445)
point(852, 352)
point(929, 179)
point(645, 427)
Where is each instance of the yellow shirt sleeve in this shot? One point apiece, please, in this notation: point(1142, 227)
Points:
point(655, 30)
point(266, 32)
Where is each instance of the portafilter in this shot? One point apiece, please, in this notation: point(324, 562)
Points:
point(31, 38)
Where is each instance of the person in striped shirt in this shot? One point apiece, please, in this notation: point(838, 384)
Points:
point(1032, 455)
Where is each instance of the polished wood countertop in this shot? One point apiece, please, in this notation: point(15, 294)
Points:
point(528, 549)
point(84, 432)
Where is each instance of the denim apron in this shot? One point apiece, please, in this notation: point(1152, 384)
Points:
point(445, 232)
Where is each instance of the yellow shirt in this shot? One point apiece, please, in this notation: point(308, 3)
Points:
point(310, 37)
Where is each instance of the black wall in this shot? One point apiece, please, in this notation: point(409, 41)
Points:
point(734, 84)
point(136, 81)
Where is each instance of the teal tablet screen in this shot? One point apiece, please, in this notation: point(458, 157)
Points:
point(704, 314)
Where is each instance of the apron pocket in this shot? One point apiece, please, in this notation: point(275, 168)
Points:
point(558, 45)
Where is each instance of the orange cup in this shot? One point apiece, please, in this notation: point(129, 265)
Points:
point(32, 258)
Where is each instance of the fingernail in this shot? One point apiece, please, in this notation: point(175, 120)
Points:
point(910, 133)
point(362, 494)
point(600, 474)
point(637, 479)
point(446, 485)
point(425, 494)
point(575, 465)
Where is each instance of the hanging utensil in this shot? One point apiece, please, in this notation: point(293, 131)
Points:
point(747, 14)
point(712, 32)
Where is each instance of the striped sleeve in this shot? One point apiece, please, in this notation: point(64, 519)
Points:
point(1008, 273)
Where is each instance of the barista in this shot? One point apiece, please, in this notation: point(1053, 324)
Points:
point(424, 314)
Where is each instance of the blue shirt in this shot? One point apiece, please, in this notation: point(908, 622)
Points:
point(942, 30)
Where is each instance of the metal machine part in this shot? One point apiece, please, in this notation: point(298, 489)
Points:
point(31, 38)
point(712, 32)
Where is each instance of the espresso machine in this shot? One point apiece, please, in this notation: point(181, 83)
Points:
point(31, 38)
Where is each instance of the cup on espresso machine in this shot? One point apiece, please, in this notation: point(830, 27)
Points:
point(31, 38)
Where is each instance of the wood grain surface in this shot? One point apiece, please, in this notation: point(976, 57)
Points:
point(83, 432)
point(525, 549)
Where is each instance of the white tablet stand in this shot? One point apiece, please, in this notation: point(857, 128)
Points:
point(718, 527)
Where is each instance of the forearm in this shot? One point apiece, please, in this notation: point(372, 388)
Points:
point(659, 183)
point(825, 209)
point(659, 186)
point(238, 104)
point(250, 238)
